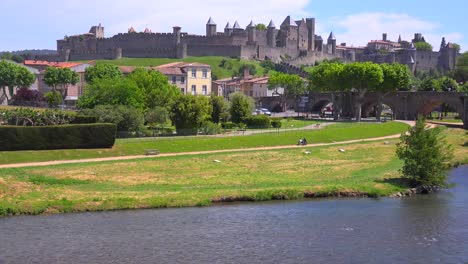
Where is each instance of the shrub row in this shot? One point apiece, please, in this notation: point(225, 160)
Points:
point(258, 121)
point(57, 137)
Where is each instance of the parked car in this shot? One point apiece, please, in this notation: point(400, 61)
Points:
point(265, 111)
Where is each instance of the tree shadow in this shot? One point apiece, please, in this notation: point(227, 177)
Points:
point(398, 182)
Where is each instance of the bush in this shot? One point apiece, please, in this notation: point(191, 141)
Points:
point(258, 121)
point(28, 97)
point(276, 122)
point(228, 125)
point(54, 99)
point(210, 128)
point(31, 117)
point(84, 119)
point(57, 137)
point(126, 118)
point(277, 109)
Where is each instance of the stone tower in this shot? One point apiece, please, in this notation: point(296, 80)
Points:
point(98, 31)
point(331, 43)
point(311, 34)
point(176, 33)
point(251, 33)
point(228, 29)
point(271, 34)
point(210, 28)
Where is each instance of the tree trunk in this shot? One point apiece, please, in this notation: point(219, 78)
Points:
point(379, 109)
point(358, 108)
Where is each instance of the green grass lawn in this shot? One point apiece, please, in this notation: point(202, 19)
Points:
point(214, 61)
point(126, 147)
point(367, 168)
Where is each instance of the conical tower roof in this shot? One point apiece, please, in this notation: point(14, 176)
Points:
point(271, 25)
point(131, 30)
point(332, 36)
point(228, 26)
point(251, 25)
point(399, 39)
point(237, 26)
point(210, 22)
point(289, 22)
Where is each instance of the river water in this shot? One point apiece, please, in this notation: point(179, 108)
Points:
point(422, 229)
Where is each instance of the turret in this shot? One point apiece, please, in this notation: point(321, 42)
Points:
point(399, 38)
point(331, 43)
point(271, 34)
point(237, 27)
point(176, 33)
point(311, 34)
point(251, 32)
point(228, 29)
point(98, 31)
point(210, 28)
point(443, 44)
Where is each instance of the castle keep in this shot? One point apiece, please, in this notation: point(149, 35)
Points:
point(294, 42)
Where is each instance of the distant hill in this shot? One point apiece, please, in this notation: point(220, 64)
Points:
point(222, 67)
point(32, 52)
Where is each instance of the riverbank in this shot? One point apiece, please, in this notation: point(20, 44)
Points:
point(369, 168)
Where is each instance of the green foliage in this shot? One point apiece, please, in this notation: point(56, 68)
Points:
point(461, 69)
point(220, 108)
point(444, 84)
point(268, 66)
point(396, 77)
point(423, 46)
point(157, 116)
point(126, 118)
point(210, 128)
point(258, 121)
point(228, 125)
point(57, 137)
point(457, 47)
point(249, 67)
point(326, 77)
point(425, 155)
point(6, 56)
point(155, 88)
point(13, 75)
point(60, 78)
point(53, 99)
point(189, 112)
point(84, 119)
point(362, 77)
point(464, 87)
point(293, 84)
point(241, 107)
point(31, 117)
point(120, 91)
point(261, 26)
point(276, 122)
point(102, 71)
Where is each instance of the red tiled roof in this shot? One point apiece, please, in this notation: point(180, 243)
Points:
point(52, 64)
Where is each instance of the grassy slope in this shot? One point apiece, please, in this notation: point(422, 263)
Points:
point(213, 61)
point(197, 180)
point(128, 147)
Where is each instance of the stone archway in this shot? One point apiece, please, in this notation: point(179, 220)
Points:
point(318, 106)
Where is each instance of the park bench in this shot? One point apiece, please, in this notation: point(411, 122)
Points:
point(151, 152)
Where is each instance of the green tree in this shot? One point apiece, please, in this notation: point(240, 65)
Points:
point(156, 89)
point(261, 26)
point(293, 86)
point(246, 67)
point(326, 77)
point(13, 76)
point(423, 46)
point(102, 71)
point(6, 56)
point(17, 58)
point(220, 108)
point(396, 77)
point(241, 107)
point(189, 112)
point(461, 69)
point(59, 79)
point(268, 66)
point(157, 117)
point(457, 47)
point(127, 118)
point(447, 84)
point(53, 99)
point(120, 91)
point(425, 155)
point(361, 78)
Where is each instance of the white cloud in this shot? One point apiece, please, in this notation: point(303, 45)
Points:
point(358, 29)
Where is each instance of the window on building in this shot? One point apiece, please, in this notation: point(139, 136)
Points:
point(174, 79)
point(205, 73)
point(194, 73)
point(204, 90)
point(194, 89)
point(182, 79)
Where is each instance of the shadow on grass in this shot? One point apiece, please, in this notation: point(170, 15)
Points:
point(398, 182)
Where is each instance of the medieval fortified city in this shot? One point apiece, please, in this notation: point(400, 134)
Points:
point(338, 138)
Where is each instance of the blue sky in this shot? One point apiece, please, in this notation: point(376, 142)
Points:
point(29, 25)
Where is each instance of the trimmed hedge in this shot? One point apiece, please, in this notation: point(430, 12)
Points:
point(276, 122)
point(258, 121)
point(57, 137)
point(228, 125)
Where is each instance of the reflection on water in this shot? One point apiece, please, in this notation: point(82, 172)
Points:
point(422, 229)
